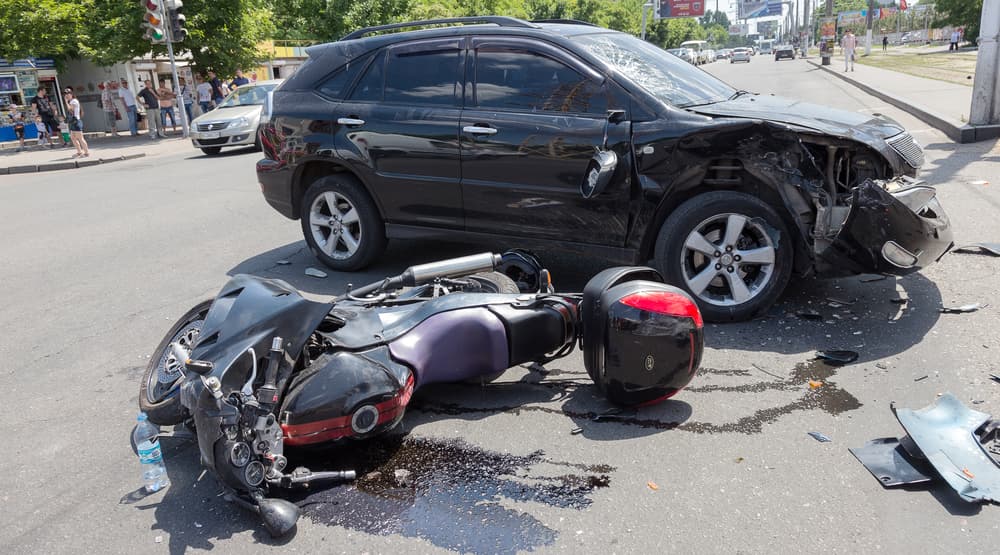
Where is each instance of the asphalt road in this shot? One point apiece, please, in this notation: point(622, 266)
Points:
point(99, 262)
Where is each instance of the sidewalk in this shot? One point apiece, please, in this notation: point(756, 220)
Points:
point(103, 150)
point(942, 105)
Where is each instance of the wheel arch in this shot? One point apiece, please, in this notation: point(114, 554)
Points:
point(307, 174)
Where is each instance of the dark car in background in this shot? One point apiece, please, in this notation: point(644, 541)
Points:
point(592, 141)
point(784, 51)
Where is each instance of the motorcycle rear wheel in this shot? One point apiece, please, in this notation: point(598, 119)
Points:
point(158, 390)
point(495, 282)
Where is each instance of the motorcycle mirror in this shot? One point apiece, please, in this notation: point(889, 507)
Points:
point(279, 516)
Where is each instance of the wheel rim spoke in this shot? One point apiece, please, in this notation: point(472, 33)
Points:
point(700, 282)
point(737, 287)
point(696, 241)
point(349, 241)
point(762, 255)
point(734, 227)
point(319, 219)
point(331, 203)
point(350, 217)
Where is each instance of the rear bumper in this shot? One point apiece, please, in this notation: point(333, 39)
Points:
point(896, 231)
point(275, 181)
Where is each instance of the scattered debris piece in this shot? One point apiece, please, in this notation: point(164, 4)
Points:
point(995, 378)
point(766, 372)
point(837, 357)
point(315, 273)
point(576, 431)
point(984, 248)
point(404, 478)
point(841, 301)
point(819, 437)
point(283, 262)
point(891, 464)
point(652, 485)
point(924, 377)
point(965, 308)
point(197, 524)
point(978, 181)
point(610, 414)
point(872, 279)
point(900, 300)
point(739, 460)
point(881, 365)
point(809, 315)
point(158, 539)
point(813, 384)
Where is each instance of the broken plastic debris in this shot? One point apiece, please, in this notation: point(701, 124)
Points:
point(978, 181)
point(315, 273)
point(967, 473)
point(872, 279)
point(965, 308)
point(900, 300)
point(984, 248)
point(576, 431)
point(652, 485)
point(283, 262)
point(158, 539)
point(809, 315)
point(813, 384)
point(924, 377)
point(841, 301)
point(403, 477)
point(837, 357)
point(819, 437)
point(197, 525)
point(739, 459)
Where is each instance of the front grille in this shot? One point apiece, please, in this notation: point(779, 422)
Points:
point(908, 149)
point(213, 126)
point(213, 142)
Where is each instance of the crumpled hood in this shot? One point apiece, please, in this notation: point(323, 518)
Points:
point(803, 114)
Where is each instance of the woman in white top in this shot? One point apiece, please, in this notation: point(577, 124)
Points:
point(75, 121)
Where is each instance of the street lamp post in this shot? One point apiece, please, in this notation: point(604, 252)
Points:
point(644, 6)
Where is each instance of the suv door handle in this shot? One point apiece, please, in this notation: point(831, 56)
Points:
point(479, 130)
point(350, 122)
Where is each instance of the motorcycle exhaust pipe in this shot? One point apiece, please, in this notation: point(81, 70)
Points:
point(455, 267)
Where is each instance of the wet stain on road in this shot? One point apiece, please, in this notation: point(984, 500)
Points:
point(449, 493)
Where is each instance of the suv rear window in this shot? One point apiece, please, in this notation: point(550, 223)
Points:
point(427, 77)
point(527, 81)
point(370, 86)
point(336, 85)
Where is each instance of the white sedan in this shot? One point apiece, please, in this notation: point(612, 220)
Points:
point(235, 121)
point(740, 55)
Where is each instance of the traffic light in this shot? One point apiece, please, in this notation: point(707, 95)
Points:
point(152, 20)
point(177, 31)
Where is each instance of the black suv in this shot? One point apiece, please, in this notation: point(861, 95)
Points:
point(594, 141)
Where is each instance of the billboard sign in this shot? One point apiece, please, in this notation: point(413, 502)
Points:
point(828, 28)
point(751, 9)
point(741, 29)
point(679, 8)
point(845, 19)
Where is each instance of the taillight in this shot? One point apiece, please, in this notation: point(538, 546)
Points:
point(665, 302)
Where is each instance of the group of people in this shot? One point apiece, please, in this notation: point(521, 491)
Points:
point(50, 125)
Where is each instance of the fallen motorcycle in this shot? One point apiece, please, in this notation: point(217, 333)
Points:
point(260, 367)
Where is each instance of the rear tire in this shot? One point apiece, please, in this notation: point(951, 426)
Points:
point(495, 282)
point(158, 391)
point(211, 150)
point(341, 223)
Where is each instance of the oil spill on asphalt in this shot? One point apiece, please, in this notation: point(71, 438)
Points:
point(828, 398)
point(447, 492)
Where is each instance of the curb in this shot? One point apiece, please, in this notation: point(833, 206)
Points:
point(52, 166)
point(958, 133)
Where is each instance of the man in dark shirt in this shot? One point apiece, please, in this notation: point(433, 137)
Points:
point(217, 94)
point(43, 108)
point(240, 80)
point(148, 97)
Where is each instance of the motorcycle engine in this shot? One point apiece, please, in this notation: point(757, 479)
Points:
point(251, 447)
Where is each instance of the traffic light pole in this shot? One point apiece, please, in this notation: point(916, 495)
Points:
point(185, 131)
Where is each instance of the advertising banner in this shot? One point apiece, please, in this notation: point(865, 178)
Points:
point(767, 28)
point(828, 28)
point(679, 8)
point(845, 19)
point(741, 29)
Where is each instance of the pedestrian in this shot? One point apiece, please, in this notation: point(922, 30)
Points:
point(110, 111)
point(19, 130)
point(848, 43)
point(128, 98)
point(885, 43)
point(187, 97)
point(149, 97)
point(75, 123)
point(239, 81)
point(64, 131)
point(43, 132)
point(42, 106)
point(218, 94)
point(955, 35)
point(167, 97)
point(204, 90)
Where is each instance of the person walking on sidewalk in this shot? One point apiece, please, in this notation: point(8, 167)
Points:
point(167, 97)
point(130, 111)
point(186, 92)
point(110, 111)
point(204, 94)
point(885, 42)
point(75, 121)
point(148, 97)
point(848, 44)
point(42, 105)
point(955, 35)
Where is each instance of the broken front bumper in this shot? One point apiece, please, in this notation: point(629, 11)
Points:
point(896, 228)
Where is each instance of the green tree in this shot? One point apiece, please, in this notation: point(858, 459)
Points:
point(958, 13)
point(40, 28)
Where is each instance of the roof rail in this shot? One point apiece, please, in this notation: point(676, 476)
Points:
point(500, 20)
point(565, 21)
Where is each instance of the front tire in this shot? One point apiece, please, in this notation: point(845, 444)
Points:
point(158, 391)
point(341, 224)
point(730, 251)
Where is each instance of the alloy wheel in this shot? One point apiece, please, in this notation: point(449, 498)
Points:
point(335, 225)
point(728, 259)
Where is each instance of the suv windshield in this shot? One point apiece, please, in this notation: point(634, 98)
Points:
point(248, 95)
point(662, 75)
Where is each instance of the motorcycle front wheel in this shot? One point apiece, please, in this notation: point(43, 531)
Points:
point(158, 391)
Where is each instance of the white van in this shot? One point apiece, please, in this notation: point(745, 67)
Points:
point(699, 49)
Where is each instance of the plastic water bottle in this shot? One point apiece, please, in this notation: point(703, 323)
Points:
point(146, 437)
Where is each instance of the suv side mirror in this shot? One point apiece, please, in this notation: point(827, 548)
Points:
point(602, 166)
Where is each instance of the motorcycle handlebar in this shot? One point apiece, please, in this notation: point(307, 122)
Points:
point(425, 273)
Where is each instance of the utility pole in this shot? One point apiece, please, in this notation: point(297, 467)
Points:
point(985, 108)
point(644, 6)
point(868, 27)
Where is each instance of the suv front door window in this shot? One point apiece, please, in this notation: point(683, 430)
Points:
point(531, 125)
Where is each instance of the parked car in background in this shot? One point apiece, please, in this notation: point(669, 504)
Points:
point(236, 121)
point(784, 51)
point(595, 142)
point(683, 53)
point(740, 55)
point(723, 54)
point(699, 50)
point(709, 56)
